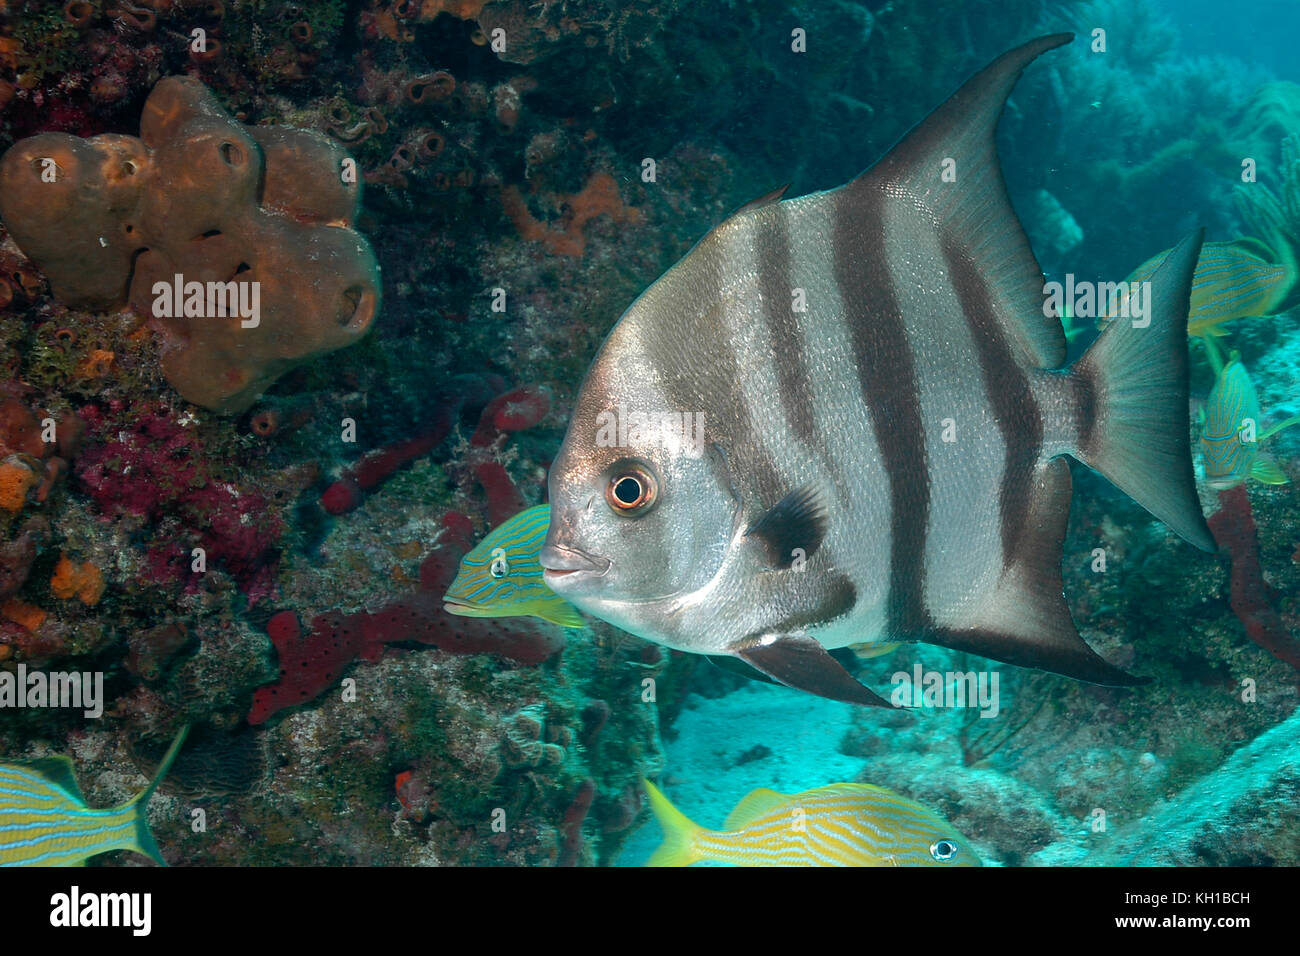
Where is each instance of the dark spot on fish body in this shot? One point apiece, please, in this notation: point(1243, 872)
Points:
point(792, 528)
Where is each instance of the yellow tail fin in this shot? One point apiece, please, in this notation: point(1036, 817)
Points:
point(678, 848)
point(139, 805)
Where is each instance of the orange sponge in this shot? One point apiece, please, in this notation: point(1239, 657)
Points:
point(16, 479)
point(204, 198)
point(83, 581)
point(20, 612)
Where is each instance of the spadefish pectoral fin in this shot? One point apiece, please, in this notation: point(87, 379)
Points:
point(734, 665)
point(793, 528)
point(1133, 418)
point(800, 662)
point(1026, 621)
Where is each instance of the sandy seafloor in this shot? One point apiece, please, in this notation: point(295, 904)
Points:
point(705, 770)
point(1233, 814)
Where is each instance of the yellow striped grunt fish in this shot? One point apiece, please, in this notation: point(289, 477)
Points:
point(1231, 432)
point(44, 820)
point(501, 576)
point(1233, 280)
point(867, 651)
point(844, 824)
point(842, 419)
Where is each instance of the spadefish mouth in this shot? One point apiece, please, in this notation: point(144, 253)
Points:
point(558, 563)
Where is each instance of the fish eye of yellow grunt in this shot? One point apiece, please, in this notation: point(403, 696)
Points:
point(943, 850)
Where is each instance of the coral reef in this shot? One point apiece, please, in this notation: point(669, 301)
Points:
point(156, 471)
point(1234, 529)
point(1180, 116)
point(271, 572)
point(198, 204)
point(312, 662)
point(1241, 814)
point(598, 197)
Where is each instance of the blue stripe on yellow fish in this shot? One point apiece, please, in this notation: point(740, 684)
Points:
point(44, 820)
point(1231, 432)
point(1232, 280)
point(501, 577)
point(843, 824)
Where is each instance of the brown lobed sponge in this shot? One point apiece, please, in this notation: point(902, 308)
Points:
point(204, 197)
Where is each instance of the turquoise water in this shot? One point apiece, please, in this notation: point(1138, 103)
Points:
point(245, 520)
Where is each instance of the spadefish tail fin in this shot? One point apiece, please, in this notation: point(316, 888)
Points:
point(1133, 420)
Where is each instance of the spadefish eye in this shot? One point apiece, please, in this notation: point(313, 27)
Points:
point(631, 490)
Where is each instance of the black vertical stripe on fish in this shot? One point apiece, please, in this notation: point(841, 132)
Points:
point(1006, 386)
point(976, 207)
point(722, 368)
point(776, 285)
point(887, 378)
point(1027, 621)
point(711, 377)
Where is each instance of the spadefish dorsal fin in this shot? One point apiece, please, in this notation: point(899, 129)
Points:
point(58, 770)
point(949, 165)
point(796, 523)
point(752, 806)
point(1025, 620)
point(769, 197)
